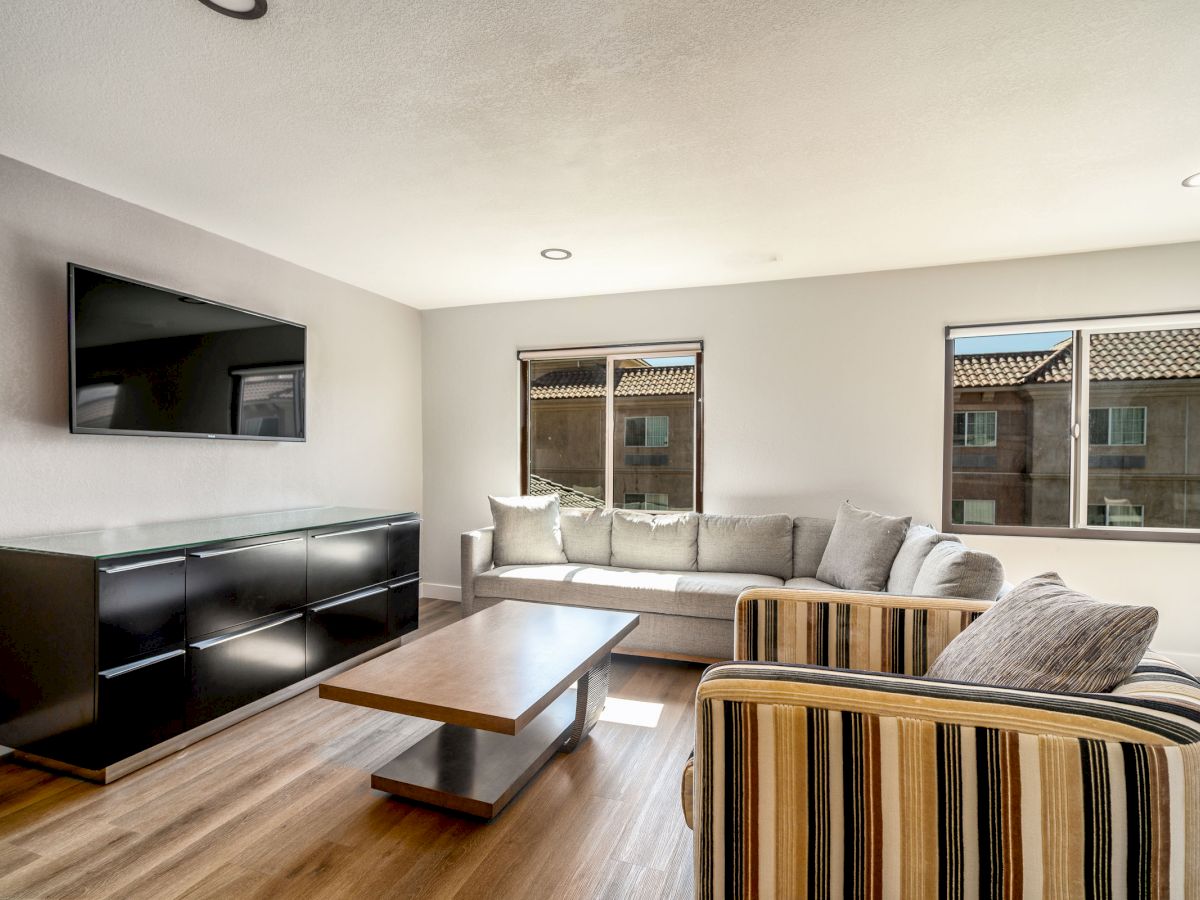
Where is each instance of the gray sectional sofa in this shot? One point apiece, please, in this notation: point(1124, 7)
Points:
point(682, 573)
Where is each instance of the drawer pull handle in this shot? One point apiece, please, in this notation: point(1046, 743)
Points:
point(118, 671)
point(129, 567)
point(207, 554)
point(351, 531)
point(405, 522)
point(403, 582)
point(212, 642)
point(359, 596)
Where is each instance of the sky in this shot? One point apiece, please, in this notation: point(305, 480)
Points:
point(1009, 343)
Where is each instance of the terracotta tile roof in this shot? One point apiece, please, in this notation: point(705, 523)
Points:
point(1131, 356)
point(638, 382)
point(567, 497)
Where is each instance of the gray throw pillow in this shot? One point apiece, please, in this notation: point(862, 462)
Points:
point(641, 541)
point(1042, 636)
point(919, 540)
point(587, 535)
point(757, 545)
point(810, 537)
point(952, 570)
point(527, 531)
point(861, 549)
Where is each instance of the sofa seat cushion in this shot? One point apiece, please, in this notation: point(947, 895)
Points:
point(810, 584)
point(711, 595)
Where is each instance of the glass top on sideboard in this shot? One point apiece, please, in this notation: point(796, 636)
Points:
point(176, 535)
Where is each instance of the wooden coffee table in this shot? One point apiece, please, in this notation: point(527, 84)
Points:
point(499, 680)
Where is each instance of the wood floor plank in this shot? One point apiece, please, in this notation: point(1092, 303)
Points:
point(280, 806)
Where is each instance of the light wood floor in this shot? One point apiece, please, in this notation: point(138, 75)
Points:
point(280, 806)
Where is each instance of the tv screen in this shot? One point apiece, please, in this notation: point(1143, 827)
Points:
point(145, 360)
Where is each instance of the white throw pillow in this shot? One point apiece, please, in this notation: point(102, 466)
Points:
point(527, 531)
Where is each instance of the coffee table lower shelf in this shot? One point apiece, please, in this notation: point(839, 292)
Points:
point(473, 771)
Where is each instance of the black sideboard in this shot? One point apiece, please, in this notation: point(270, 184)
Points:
point(118, 647)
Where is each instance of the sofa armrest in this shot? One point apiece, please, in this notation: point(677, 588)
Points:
point(476, 559)
point(835, 782)
point(851, 630)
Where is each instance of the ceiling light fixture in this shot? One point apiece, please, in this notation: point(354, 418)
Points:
point(238, 9)
point(556, 253)
point(1192, 180)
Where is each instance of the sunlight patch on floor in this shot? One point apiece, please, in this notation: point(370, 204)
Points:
point(642, 713)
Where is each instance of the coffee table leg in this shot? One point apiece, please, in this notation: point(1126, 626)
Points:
point(589, 702)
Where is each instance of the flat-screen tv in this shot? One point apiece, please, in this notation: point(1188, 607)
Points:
point(150, 361)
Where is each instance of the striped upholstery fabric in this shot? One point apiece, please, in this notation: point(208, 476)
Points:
point(819, 783)
point(867, 631)
point(1163, 681)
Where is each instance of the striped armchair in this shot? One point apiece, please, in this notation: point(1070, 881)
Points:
point(825, 769)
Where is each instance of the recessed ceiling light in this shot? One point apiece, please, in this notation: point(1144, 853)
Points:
point(556, 253)
point(1192, 180)
point(238, 9)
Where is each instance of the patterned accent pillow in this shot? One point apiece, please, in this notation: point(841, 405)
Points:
point(1043, 636)
point(527, 531)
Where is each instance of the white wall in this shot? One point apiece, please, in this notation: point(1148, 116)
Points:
point(815, 390)
point(364, 375)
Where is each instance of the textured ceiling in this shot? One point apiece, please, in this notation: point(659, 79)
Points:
point(428, 149)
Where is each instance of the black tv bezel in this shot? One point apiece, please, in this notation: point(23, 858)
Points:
point(71, 386)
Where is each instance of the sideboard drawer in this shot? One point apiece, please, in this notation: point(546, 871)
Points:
point(404, 548)
point(231, 584)
point(236, 668)
point(344, 627)
point(140, 603)
point(141, 704)
point(402, 606)
point(344, 559)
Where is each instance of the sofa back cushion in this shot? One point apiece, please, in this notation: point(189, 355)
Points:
point(810, 536)
point(952, 570)
point(527, 531)
point(587, 535)
point(757, 545)
point(1045, 637)
point(664, 541)
point(861, 549)
point(919, 540)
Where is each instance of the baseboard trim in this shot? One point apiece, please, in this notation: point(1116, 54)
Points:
point(441, 591)
point(153, 754)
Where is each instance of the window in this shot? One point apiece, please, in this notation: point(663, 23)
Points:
point(1101, 428)
point(646, 501)
point(975, 428)
point(973, 512)
point(647, 431)
point(1117, 426)
point(614, 426)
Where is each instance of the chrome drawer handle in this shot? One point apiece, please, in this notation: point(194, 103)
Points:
point(406, 522)
point(208, 554)
point(359, 596)
point(140, 664)
point(129, 567)
point(351, 531)
point(404, 582)
point(212, 642)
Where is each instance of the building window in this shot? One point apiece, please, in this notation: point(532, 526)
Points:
point(975, 428)
point(647, 431)
point(1093, 410)
point(656, 502)
point(1117, 426)
point(973, 512)
point(614, 422)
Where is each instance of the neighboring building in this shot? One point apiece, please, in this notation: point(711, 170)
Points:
point(1012, 440)
point(653, 431)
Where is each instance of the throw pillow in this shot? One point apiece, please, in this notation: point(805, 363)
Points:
point(757, 545)
point(810, 537)
point(641, 541)
point(1042, 636)
point(527, 531)
point(952, 570)
point(919, 540)
point(587, 535)
point(861, 549)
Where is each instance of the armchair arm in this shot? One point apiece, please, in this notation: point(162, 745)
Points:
point(476, 559)
point(869, 631)
point(843, 783)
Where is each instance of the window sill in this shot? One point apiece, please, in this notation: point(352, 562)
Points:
point(1160, 535)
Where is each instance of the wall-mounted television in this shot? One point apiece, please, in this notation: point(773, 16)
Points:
point(150, 361)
